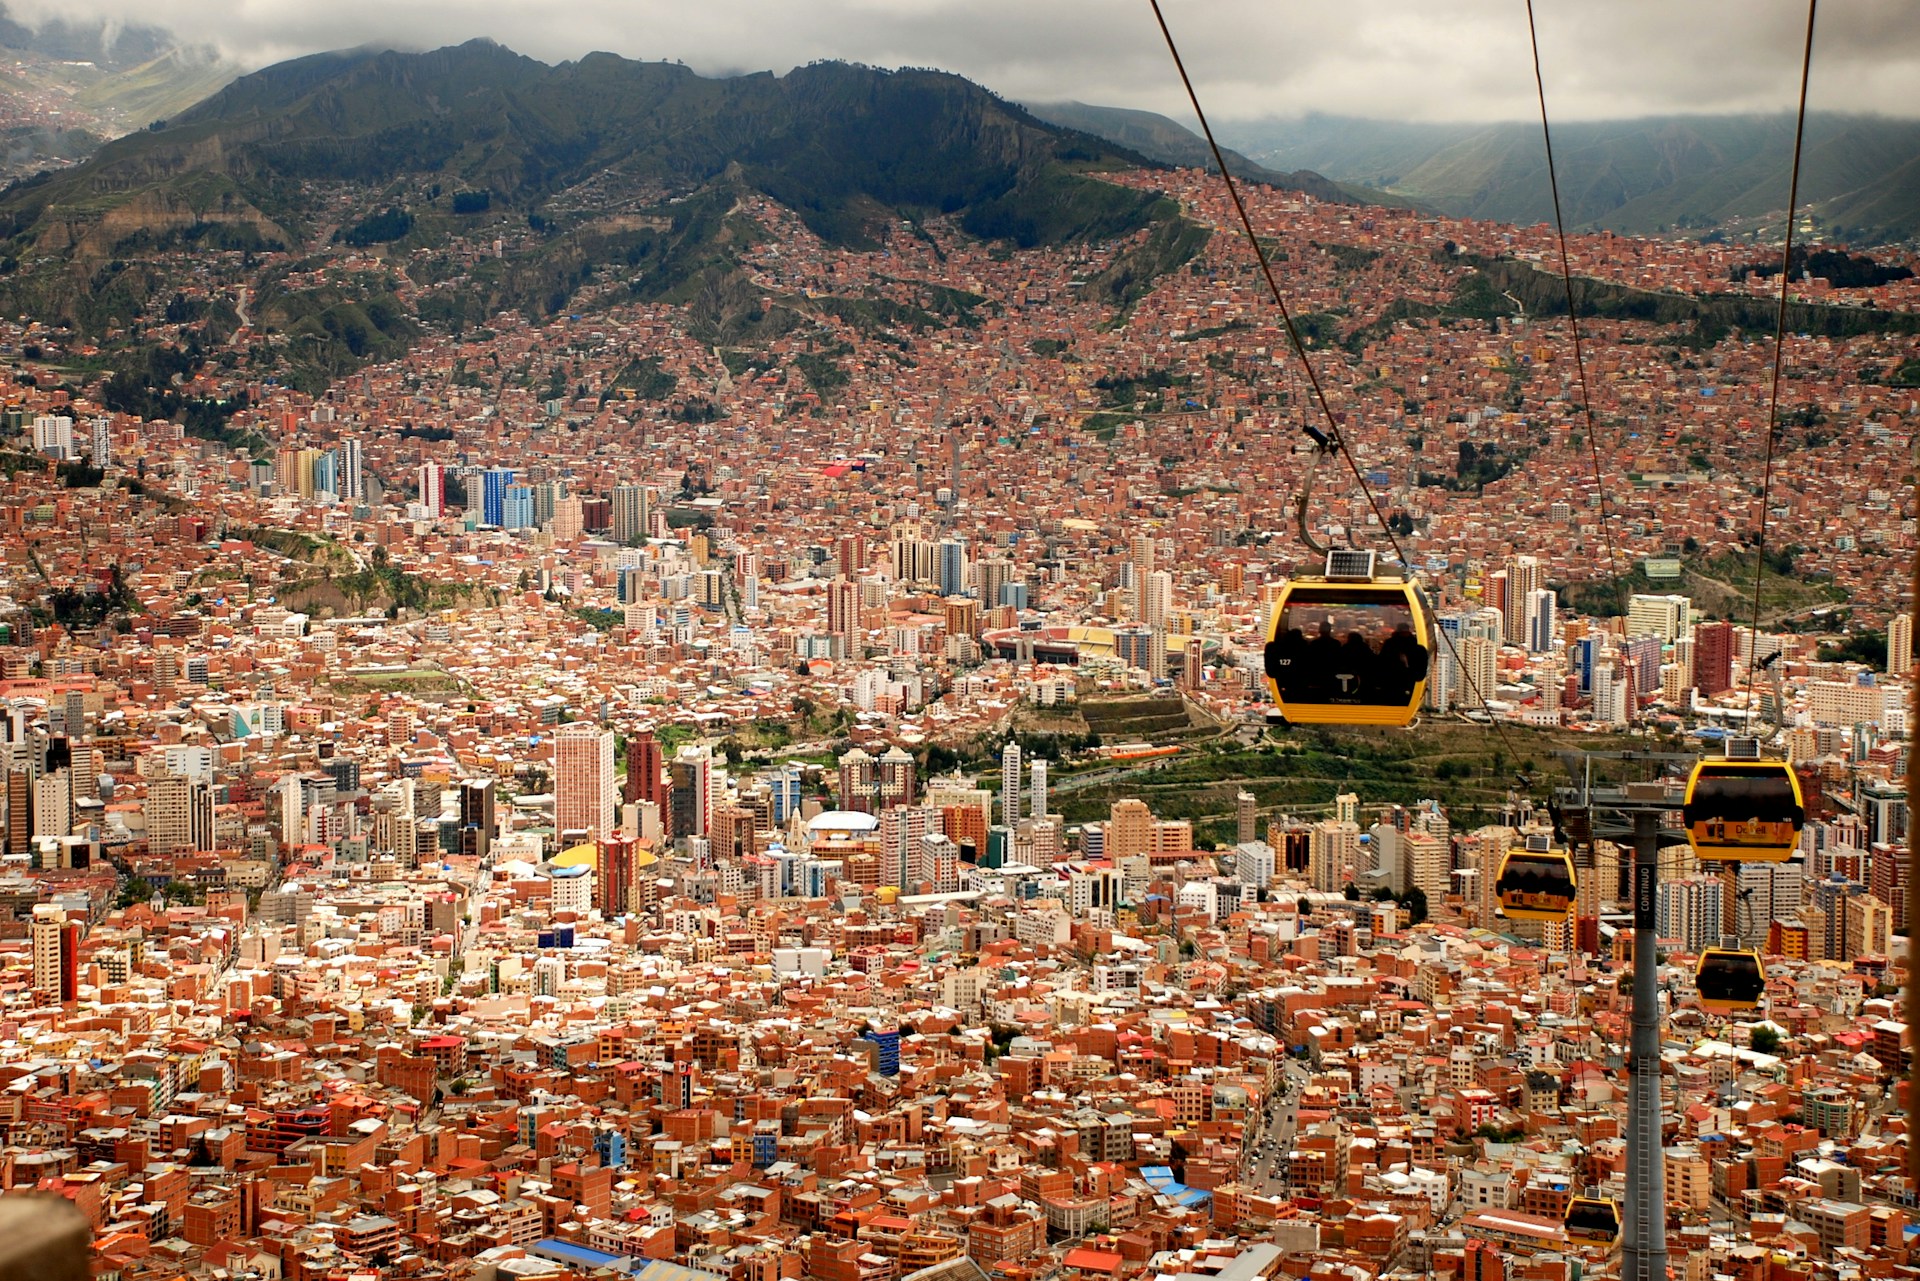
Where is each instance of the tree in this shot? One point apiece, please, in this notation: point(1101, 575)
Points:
point(1303, 907)
point(1764, 1040)
point(1415, 901)
point(1352, 892)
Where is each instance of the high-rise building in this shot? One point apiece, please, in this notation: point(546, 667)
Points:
point(1496, 595)
point(1665, 617)
point(1010, 783)
point(693, 773)
point(433, 488)
point(851, 553)
point(783, 785)
point(1141, 555)
point(616, 879)
point(859, 781)
point(1524, 578)
point(1689, 910)
point(953, 576)
point(646, 777)
point(1612, 697)
point(914, 554)
point(349, 470)
point(516, 509)
point(1479, 670)
point(1333, 853)
point(1543, 620)
point(1039, 796)
point(56, 954)
point(493, 495)
point(1429, 864)
point(476, 816)
point(897, 778)
point(179, 815)
point(843, 615)
point(991, 576)
point(569, 519)
point(1157, 603)
point(1900, 644)
point(53, 803)
point(583, 785)
point(1443, 674)
point(53, 435)
point(1246, 818)
point(546, 499)
point(1129, 830)
point(1713, 658)
point(631, 514)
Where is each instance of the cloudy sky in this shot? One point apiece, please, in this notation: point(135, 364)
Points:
point(1392, 59)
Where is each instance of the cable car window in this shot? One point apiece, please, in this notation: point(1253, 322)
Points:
point(1744, 798)
point(1346, 647)
point(1535, 886)
point(1590, 1218)
point(1730, 978)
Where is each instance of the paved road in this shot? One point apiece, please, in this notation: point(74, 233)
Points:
point(1263, 1161)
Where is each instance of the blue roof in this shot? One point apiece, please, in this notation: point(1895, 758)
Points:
point(577, 1253)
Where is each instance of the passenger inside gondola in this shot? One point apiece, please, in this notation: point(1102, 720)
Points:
point(1403, 661)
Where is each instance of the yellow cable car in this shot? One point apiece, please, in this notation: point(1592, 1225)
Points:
point(1350, 647)
point(1730, 980)
point(1744, 810)
point(1592, 1218)
point(1537, 883)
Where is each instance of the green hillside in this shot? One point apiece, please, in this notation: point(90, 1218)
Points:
point(599, 167)
point(830, 140)
point(159, 87)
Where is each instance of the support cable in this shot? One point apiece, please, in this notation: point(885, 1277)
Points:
point(1573, 319)
point(1335, 437)
point(1779, 343)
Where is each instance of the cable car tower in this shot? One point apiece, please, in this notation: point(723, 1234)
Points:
point(1634, 813)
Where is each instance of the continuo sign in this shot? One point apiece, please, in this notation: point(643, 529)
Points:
point(1643, 895)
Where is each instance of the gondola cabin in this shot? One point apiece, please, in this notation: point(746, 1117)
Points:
point(1349, 648)
point(1744, 810)
point(1536, 882)
point(1730, 980)
point(1592, 1218)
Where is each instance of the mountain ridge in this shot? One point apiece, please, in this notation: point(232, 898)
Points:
point(1699, 174)
point(1166, 140)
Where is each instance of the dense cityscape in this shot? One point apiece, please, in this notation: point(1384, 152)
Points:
point(578, 798)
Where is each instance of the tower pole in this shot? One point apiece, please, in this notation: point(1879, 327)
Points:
point(1644, 1239)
